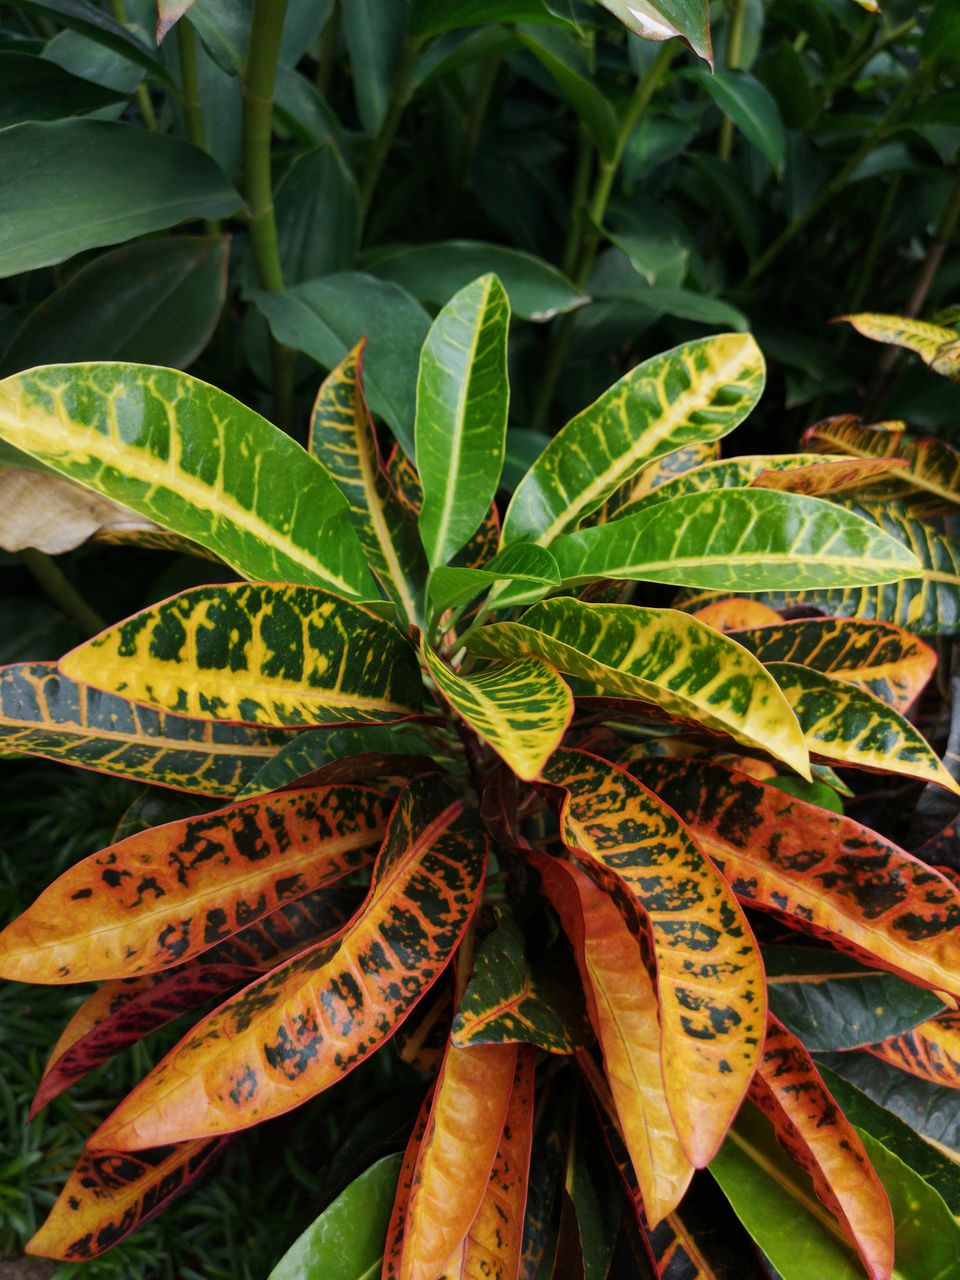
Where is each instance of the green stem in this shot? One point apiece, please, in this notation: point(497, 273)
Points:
point(190, 96)
point(734, 61)
point(266, 29)
point(119, 11)
point(51, 579)
point(402, 89)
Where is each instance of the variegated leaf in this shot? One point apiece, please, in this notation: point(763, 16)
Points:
point(256, 654)
point(936, 346)
point(709, 976)
point(524, 570)
point(347, 753)
point(926, 463)
point(397, 1226)
point(737, 612)
point(305, 1025)
point(728, 473)
point(480, 548)
point(930, 1051)
point(666, 468)
point(839, 475)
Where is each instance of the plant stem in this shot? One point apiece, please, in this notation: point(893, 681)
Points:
point(328, 51)
point(402, 88)
point(737, 13)
point(266, 29)
point(53, 582)
point(578, 198)
point(119, 11)
point(190, 96)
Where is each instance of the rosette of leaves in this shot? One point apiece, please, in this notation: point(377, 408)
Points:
point(564, 818)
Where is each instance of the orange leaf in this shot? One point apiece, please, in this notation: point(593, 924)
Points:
point(401, 1203)
point(734, 614)
point(930, 1051)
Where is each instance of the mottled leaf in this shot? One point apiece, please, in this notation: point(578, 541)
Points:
point(736, 613)
point(397, 1225)
point(480, 548)
point(351, 752)
point(659, 472)
point(935, 345)
point(930, 1051)
point(523, 568)
point(926, 463)
point(728, 473)
point(836, 476)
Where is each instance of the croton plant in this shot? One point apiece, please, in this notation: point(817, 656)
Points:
point(452, 795)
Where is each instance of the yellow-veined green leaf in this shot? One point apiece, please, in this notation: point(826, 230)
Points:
point(194, 460)
point(524, 564)
point(936, 346)
point(926, 463)
point(693, 394)
point(480, 548)
point(692, 672)
point(461, 425)
point(520, 708)
point(657, 473)
point(256, 654)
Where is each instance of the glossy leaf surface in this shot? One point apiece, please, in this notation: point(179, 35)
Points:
point(256, 654)
point(682, 666)
point(397, 1225)
point(193, 459)
point(662, 19)
point(695, 393)
point(304, 1026)
point(729, 473)
point(363, 750)
point(525, 566)
point(834, 476)
point(928, 464)
point(164, 895)
point(933, 343)
point(709, 977)
point(461, 424)
point(930, 1051)
point(43, 713)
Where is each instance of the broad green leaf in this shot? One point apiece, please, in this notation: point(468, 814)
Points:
point(508, 1000)
point(38, 89)
point(849, 726)
point(165, 181)
point(520, 708)
point(832, 1001)
point(561, 56)
point(110, 1194)
point(90, 20)
point(737, 540)
point(167, 894)
point(660, 472)
point(193, 459)
point(342, 752)
point(433, 273)
point(341, 995)
point(662, 19)
point(522, 562)
point(327, 318)
point(752, 108)
point(430, 17)
point(695, 393)
point(936, 346)
point(927, 463)
point(346, 1241)
point(461, 422)
point(930, 1050)
point(42, 713)
point(153, 302)
point(822, 873)
point(316, 211)
point(224, 26)
point(708, 973)
point(930, 1110)
point(373, 36)
point(256, 654)
point(692, 672)
point(885, 660)
point(342, 437)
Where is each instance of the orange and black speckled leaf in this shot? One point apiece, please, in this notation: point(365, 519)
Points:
point(121, 1012)
point(112, 1193)
point(708, 972)
point(457, 1155)
point(42, 713)
point(821, 872)
point(930, 1051)
point(814, 1132)
point(398, 1218)
point(164, 895)
point(305, 1025)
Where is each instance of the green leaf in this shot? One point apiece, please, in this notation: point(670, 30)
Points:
point(346, 1241)
point(461, 422)
point(832, 1001)
point(693, 673)
point(91, 21)
point(450, 586)
point(373, 33)
point(193, 459)
point(224, 27)
point(154, 302)
point(430, 17)
point(432, 273)
point(731, 473)
point(929, 1109)
point(164, 181)
point(560, 55)
point(316, 210)
point(751, 107)
point(38, 89)
point(661, 19)
point(698, 391)
point(737, 540)
point(326, 318)
point(352, 749)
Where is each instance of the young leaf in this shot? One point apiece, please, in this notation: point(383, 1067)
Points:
point(709, 976)
point(256, 654)
point(461, 424)
point(738, 540)
point(521, 708)
point(661, 656)
point(623, 1009)
point(930, 1051)
point(815, 1133)
point(343, 439)
point(524, 563)
point(344, 753)
point(695, 393)
point(194, 460)
point(305, 1025)
point(928, 464)
point(42, 713)
point(823, 873)
point(935, 345)
point(167, 894)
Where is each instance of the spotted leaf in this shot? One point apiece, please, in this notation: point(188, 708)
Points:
point(839, 475)
point(694, 394)
point(43, 713)
point(306, 1024)
point(164, 895)
point(256, 654)
point(521, 708)
point(343, 439)
point(821, 872)
point(930, 1051)
point(683, 667)
point(195, 461)
point(936, 346)
point(623, 1009)
point(926, 463)
point(708, 974)
point(814, 1132)
point(480, 548)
